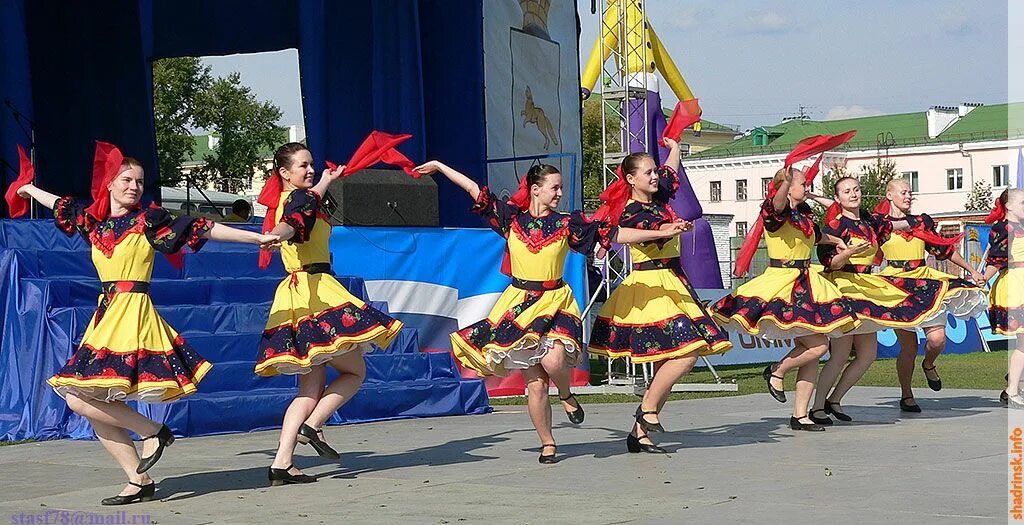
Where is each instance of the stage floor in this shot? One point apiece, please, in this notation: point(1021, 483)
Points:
point(733, 459)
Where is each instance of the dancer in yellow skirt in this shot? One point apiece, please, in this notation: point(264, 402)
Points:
point(791, 299)
point(879, 302)
point(905, 253)
point(652, 316)
point(1006, 299)
point(314, 321)
point(128, 351)
point(535, 325)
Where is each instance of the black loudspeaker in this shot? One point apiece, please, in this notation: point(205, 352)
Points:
point(382, 198)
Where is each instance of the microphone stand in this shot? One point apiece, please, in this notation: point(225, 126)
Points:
point(30, 133)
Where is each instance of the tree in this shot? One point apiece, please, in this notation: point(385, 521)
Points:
point(246, 129)
point(593, 155)
point(980, 198)
point(177, 85)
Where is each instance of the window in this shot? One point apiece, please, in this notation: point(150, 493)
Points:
point(955, 179)
point(1000, 176)
point(911, 178)
point(716, 191)
point(741, 229)
point(741, 190)
point(765, 184)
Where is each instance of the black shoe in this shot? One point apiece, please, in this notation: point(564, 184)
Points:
point(309, 436)
point(795, 424)
point(906, 407)
point(548, 459)
point(779, 395)
point(935, 385)
point(1004, 398)
point(576, 416)
point(634, 446)
point(281, 476)
point(647, 426)
point(830, 409)
point(165, 438)
point(145, 493)
point(823, 420)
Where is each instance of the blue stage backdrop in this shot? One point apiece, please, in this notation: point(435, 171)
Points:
point(82, 71)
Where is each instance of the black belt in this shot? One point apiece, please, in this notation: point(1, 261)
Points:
point(671, 263)
point(911, 264)
point(783, 263)
point(537, 286)
point(855, 268)
point(112, 287)
point(318, 268)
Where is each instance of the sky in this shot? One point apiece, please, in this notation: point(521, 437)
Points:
point(754, 63)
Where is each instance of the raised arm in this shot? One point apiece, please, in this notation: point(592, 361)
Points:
point(30, 191)
point(781, 199)
point(672, 160)
point(326, 178)
point(467, 184)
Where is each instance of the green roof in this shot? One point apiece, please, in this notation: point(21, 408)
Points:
point(902, 129)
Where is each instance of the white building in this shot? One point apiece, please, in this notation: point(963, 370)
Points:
point(942, 152)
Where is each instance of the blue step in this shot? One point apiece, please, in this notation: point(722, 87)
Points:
point(406, 342)
point(220, 303)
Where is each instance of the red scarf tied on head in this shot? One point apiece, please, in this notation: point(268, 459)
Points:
point(18, 206)
point(106, 164)
point(997, 214)
point(613, 200)
point(805, 149)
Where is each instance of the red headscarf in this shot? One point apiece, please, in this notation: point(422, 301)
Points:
point(106, 164)
point(16, 205)
point(271, 198)
point(998, 212)
point(521, 198)
point(804, 149)
point(613, 199)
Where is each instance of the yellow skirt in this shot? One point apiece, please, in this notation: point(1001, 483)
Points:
point(652, 317)
point(963, 299)
point(315, 318)
point(1006, 302)
point(520, 330)
point(890, 302)
point(784, 303)
point(129, 352)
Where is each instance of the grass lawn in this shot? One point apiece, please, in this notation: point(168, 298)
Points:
point(979, 370)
